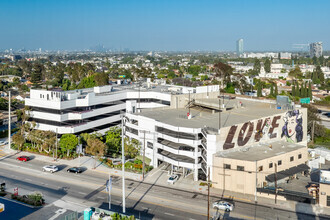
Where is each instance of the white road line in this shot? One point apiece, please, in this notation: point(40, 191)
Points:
point(100, 197)
point(144, 207)
point(166, 213)
point(82, 193)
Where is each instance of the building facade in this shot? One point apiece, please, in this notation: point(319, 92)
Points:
point(315, 49)
point(239, 47)
point(90, 110)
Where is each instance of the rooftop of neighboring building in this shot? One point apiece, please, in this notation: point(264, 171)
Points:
point(261, 151)
point(203, 117)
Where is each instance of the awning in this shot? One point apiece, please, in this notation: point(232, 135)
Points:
point(288, 172)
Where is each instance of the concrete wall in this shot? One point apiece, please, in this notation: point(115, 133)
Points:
point(324, 191)
point(180, 101)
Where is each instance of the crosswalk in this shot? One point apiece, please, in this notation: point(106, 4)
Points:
point(2, 154)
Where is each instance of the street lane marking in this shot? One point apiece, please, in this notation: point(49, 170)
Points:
point(166, 213)
point(82, 193)
point(58, 213)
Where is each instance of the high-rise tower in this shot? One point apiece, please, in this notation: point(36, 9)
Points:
point(239, 47)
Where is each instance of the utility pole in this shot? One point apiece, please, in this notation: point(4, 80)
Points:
point(123, 162)
point(144, 154)
point(56, 143)
point(9, 121)
point(275, 183)
point(255, 195)
point(313, 132)
point(189, 102)
point(208, 193)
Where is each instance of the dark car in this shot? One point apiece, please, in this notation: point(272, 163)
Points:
point(23, 158)
point(74, 170)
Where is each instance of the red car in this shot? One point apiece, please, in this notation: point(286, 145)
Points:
point(23, 158)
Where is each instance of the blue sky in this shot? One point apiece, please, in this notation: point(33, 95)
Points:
point(163, 24)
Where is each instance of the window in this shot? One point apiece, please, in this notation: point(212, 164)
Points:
point(279, 162)
point(240, 168)
point(291, 159)
point(328, 200)
point(299, 156)
point(270, 165)
point(260, 168)
point(227, 166)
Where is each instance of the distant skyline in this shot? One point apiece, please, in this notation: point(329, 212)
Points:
point(166, 25)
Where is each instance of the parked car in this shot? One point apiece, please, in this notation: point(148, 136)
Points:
point(223, 205)
point(23, 158)
point(3, 143)
point(173, 179)
point(50, 168)
point(74, 170)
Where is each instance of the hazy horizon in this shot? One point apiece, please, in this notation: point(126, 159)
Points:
point(163, 25)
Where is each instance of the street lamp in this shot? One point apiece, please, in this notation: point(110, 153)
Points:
point(123, 162)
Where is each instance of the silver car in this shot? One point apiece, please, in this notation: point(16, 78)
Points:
point(50, 168)
point(223, 205)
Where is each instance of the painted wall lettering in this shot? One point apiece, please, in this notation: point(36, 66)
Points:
point(291, 123)
point(228, 143)
point(241, 141)
point(274, 125)
point(261, 129)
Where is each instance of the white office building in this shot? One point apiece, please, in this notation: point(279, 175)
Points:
point(94, 109)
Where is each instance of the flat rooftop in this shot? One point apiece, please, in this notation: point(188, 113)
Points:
point(202, 117)
point(261, 151)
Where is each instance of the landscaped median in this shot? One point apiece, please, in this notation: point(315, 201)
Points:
point(34, 199)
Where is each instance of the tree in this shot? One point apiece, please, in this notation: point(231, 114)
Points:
point(113, 140)
point(259, 90)
point(95, 147)
point(310, 94)
point(36, 75)
point(267, 65)
point(68, 142)
point(271, 90)
point(223, 71)
point(296, 73)
point(276, 90)
point(101, 79)
point(256, 66)
point(19, 140)
point(312, 116)
point(297, 90)
point(132, 148)
point(293, 91)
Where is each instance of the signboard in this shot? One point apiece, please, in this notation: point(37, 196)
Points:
point(305, 100)
point(2, 207)
point(122, 76)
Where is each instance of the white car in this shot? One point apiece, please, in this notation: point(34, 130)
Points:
point(223, 205)
point(173, 179)
point(3, 143)
point(50, 168)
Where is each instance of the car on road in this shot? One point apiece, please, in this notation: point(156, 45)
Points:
point(223, 205)
point(50, 168)
point(74, 170)
point(173, 179)
point(23, 158)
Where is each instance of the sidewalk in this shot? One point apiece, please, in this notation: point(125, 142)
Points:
point(159, 177)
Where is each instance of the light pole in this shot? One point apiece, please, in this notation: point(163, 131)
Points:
point(123, 162)
point(9, 121)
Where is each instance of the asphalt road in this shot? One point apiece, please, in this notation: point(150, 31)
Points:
point(68, 191)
